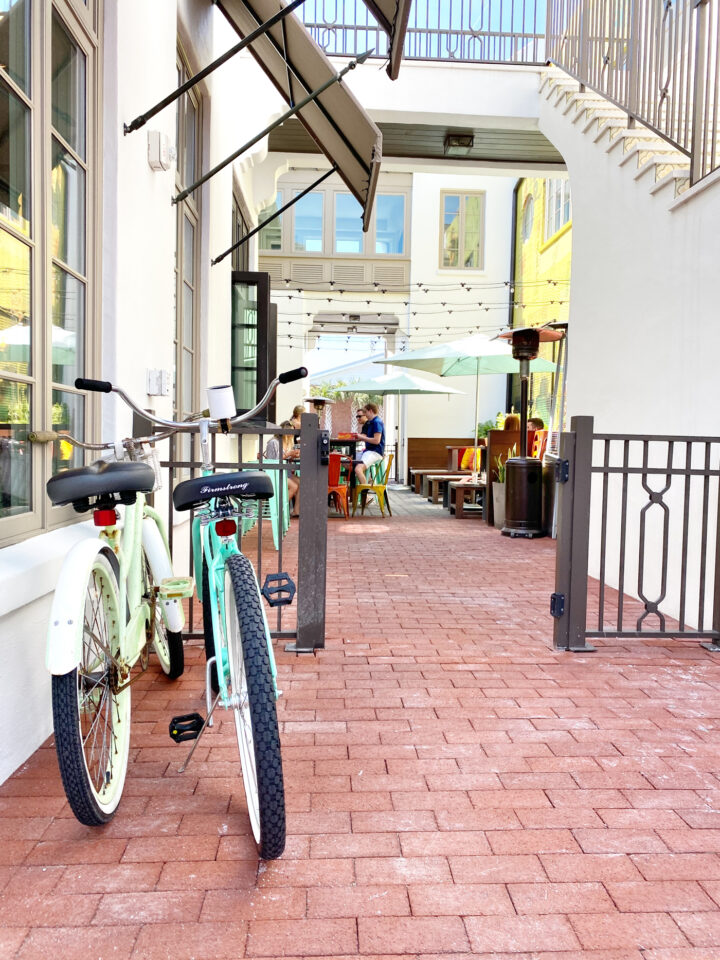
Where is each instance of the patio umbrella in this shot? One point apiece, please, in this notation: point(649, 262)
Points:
point(397, 384)
point(470, 356)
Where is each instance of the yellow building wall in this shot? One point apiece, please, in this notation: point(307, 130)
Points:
point(541, 282)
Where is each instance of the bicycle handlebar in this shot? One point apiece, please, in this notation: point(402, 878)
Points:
point(99, 386)
point(104, 386)
point(291, 375)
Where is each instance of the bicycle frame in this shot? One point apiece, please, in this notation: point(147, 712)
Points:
point(142, 528)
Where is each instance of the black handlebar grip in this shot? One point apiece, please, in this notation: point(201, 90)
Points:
point(291, 375)
point(99, 386)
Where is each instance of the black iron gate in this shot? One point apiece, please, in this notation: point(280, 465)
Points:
point(641, 514)
point(303, 553)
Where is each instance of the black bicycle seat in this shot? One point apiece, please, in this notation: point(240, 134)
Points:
point(246, 484)
point(100, 479)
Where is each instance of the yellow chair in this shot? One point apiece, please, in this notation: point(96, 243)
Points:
point(378, 487)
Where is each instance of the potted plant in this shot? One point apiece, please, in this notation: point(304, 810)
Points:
point(498, 488)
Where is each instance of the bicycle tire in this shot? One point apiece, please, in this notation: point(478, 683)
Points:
point(208, 635)
point(88, 713)
point(168, 644)
point(253, 702)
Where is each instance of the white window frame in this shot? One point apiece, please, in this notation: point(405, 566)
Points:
point(289, 189)
point(188, 209)
point(558, 206)
point(79, 19)
point(463, 195)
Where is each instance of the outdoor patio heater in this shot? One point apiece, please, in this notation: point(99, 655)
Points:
point(523, 474)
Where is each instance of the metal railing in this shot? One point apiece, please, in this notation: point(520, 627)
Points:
point(656, 60)
point(303, 554)
point(644, 510)
point(474, 31)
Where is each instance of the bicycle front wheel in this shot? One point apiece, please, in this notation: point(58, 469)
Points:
point(252, 697)
point(91, 718)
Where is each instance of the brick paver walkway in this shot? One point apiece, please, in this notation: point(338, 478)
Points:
point(455, 787)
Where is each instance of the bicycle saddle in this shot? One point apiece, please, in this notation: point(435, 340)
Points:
point(248, 484)
point(98, 480)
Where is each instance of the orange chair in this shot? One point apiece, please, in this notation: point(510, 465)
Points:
point(339, 484)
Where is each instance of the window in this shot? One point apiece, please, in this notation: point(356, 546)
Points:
point(254, 339)
point(187, 238)
point(329, 221)
point(47, 288)
point(527, 217)
point(271, 235)
point(557, 206)
point(348, 224)
point(390, 223)
point(463, 230)
point(308, 223)
point(240, 229)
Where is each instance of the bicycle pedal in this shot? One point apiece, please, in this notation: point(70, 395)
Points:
point(186, 727)
point(278, 589)
point(176, 588)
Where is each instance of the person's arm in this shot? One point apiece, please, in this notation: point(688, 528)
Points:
point(375, 439)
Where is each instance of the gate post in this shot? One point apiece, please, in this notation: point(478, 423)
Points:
point(571, 565)
point(312, 540)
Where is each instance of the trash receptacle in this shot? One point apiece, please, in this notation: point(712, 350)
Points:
point(523, 498)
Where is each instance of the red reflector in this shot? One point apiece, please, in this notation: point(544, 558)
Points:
point(104, 518)
point(225, 528)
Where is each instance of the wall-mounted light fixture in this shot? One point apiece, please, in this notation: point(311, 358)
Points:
point(458, 144)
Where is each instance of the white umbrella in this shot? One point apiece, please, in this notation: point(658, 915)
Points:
point(397, 384)
point(470, 356)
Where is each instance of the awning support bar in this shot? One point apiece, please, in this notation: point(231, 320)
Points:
point(263, 133)
point(274, 216)
point(141, 120)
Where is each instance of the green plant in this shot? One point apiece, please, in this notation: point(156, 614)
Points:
point(333, 391)
point(500, 463)
point(484, 428)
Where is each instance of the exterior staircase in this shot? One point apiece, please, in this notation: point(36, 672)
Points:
point(650, 158)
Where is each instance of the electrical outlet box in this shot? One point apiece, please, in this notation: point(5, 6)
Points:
point(158, 383)
point(160, 154)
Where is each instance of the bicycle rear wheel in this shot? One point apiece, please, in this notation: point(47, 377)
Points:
point(91, 719)
point(253, 701)
point(168, 644)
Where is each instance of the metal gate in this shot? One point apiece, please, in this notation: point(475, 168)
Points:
point(303, 554)
point(641, 513)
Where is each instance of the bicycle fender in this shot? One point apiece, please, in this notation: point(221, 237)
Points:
point(161, 567)
point(65, 630)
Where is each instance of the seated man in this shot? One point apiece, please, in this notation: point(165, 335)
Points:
point(535, 423)
point(374, 431)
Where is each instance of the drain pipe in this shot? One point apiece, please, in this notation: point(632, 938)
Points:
point(511, 307)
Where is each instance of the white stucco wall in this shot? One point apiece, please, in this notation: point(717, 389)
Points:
point(429, 416)
point(643, 337)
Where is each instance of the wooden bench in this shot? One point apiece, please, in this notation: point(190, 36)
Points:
point(459, 489)
point(435, 482)
point(418, 477)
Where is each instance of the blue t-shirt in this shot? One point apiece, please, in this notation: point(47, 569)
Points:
point(371, 428)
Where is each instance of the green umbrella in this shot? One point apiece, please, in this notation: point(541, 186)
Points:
point(396, 383)
point(471, 356)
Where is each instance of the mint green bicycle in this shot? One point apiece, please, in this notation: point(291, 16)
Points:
point(240, 666)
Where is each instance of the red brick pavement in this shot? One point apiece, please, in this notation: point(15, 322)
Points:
point(456, 789)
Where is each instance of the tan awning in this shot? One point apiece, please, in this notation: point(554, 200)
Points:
point(335, 120)
point(392, 15)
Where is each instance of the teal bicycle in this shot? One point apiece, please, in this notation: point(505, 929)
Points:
point(241, 669)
